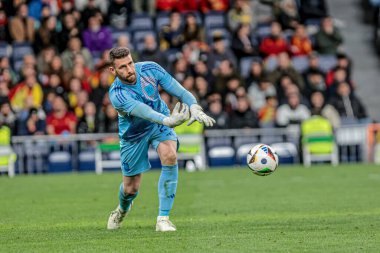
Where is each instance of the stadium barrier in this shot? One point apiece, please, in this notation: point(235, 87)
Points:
point(80, 152)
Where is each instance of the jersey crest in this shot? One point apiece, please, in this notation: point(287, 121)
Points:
point(148, 87)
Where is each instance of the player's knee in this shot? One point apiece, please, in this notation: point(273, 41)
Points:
point(130, 190)
point(170, 158)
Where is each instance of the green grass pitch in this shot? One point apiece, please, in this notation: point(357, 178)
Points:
point(319, 209)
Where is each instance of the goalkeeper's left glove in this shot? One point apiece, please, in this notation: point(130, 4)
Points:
point(197, 114)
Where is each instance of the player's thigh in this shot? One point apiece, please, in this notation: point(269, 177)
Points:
point(134, 157)
point(167, 151)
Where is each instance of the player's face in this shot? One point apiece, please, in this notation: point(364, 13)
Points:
point(124, 69)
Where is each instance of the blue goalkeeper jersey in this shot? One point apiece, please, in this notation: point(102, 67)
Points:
point(139, 105)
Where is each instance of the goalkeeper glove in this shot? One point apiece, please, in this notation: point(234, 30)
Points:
point(178, 116)
point(197, 114)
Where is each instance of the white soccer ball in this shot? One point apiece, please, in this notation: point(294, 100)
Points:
point(262, 160)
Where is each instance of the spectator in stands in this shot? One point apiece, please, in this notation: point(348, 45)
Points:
point(343, 62)
point(242, 44)
point(150, 51)
point(119, 12)
point(181, 69)
point(27, 88)
point(47, 34)
point(286, 13)
point(243, 116)
point(292, 113)
point(82, 99)
point(56, 67)
point(213, 5)
point(171, 36)
point(90, 10)
point(21, 27)
point(4, 91)
point(7, 116)
point(44, 59)
point(340, 75)
point(275, 43)
point(257, 93)
point(60, 120)
point(108, 122)
point(328, 38)
point(234, 90)
point(36, 122)
point(185, 6)
point(150, 6)
point(101, 90)
point(70, 29)
point(74, 48)
point(224, 73)
point(215, 110)
point(218, 53)
point(165, 5)
point(312, 9)
point(192, 30)
point(256, 73)
point(124, 41)
point(314, 82)
point(267, 113)
point(202, 89)
point(347, 104)
point(200, 69)
point(54, 84)
point(241, 13)
point(285, 68)
point(319, 107)
point(313, 64)
point(96, 37)
point(300, 43)
point(4, 32)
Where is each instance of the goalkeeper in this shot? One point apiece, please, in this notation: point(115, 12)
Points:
point(145, 119)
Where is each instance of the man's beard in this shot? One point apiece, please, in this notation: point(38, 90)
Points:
point(127, 79)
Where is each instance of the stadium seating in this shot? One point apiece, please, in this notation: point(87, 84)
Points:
point(327, 62)
point(245, 64)
point(60, 161)
point(221, 156)
point(162, 19)
point(138, 39)
point(116, 33)
point(214, 20)
point(4, 49)
point(86, 160)
point(300, 63)
point(141, 21)
point(287, 152)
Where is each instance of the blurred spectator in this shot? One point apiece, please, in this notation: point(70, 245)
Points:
point(4, 32)
point(74, 48)
point(215, 110)
point(96, 37)
point(185, 6)
point(201, 90)
point(181, 69)
point(44, 59)
point(193, 31)
point(200, 69)
point(150, 6)
point(340, 75)
point(242, 44)
point(7, 116)
point(314, 82)
point(88, 123)
point(27, 88)
point(343, 63)
point(256, 73)
point(286, 13)
point(82, 99)
point(267, 113)
point(224, 73)
point(241, 13)
point(218, 53)
point(47, 34)
point(328, 38)
point(347, 104)
point(124, 41)
point(90, 10)
point(21, 27)
point(60, 120)
point(312, 9)
point(300, 43)
point(150, 51)
point(36, 122)
point(257, 93)
point(213, 5)
point(56, 66)
point(118, 13)
point(285, 68)
point(313, 64)
point(171, 36)
point(275, 43)
point(319, 107)
point(4, 91)
point(243, 116)
point(164, 5)
point(101, 90)
point(69, 30)
point(234, 90)
point(108, 122)
point(292, 113)
point(54, 85)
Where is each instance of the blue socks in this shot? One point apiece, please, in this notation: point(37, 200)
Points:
point(125, 200)
point(167, 187)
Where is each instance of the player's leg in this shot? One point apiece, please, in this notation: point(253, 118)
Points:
point(128, 191)
point(167, 184)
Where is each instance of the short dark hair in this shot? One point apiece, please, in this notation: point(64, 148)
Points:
point(118, 53)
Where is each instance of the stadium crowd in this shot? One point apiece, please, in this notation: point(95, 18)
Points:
point(250, 63)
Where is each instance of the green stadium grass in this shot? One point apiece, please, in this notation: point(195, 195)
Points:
point(319, 209)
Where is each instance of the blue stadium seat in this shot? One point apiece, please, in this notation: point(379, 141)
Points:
point(287, 152)
point(141, 21)
point(138, 39)
point(300, 63)
point(271, 63)
point(214, 20)
point(116, 33)
point(221, 156)
point(162, 19)
point(21, 49)
point(327, 62)
point(86, 160)
point(4, 49)
point(60, 161)
point(245, 64)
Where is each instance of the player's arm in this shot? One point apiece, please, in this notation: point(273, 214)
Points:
point(174, 88)
point(126, 105)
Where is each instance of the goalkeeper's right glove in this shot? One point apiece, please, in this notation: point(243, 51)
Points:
point(178, 116)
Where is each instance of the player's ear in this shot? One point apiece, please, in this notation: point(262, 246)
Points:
point(111, 69)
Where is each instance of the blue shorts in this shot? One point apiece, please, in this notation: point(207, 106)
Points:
point(134, 155)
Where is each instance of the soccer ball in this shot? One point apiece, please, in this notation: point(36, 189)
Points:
point(262, 160)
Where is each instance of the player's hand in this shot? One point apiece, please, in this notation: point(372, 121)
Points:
point(178, 116)
point(197, 114)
